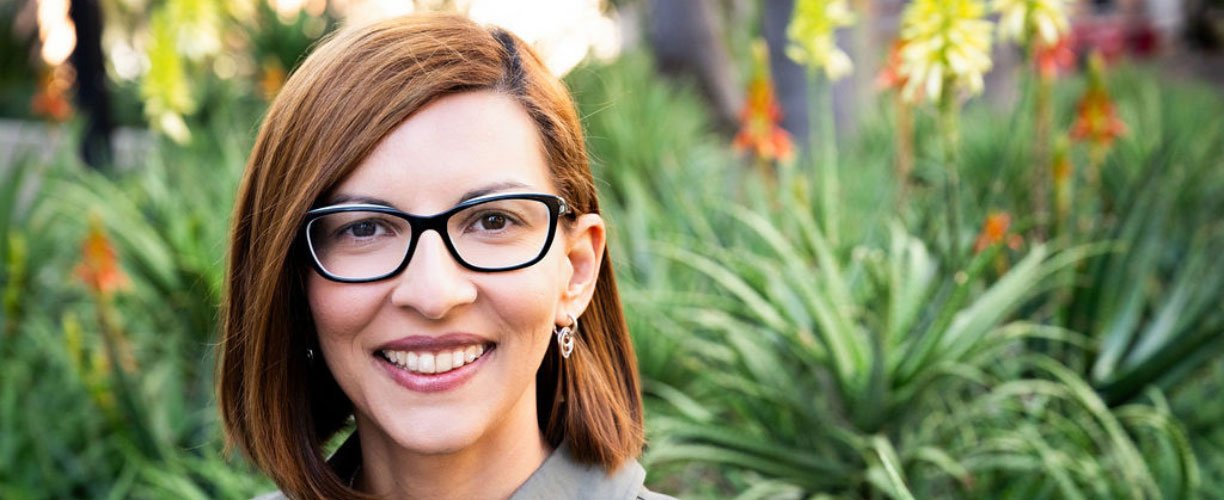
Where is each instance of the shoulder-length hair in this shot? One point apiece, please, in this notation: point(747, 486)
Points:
point(352, 91)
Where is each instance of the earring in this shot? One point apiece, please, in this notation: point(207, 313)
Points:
point(310, 355)
point(565, 336)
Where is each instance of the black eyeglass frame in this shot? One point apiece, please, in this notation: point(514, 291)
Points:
point(419, 224)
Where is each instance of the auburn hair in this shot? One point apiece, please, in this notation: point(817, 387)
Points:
point(349, 93)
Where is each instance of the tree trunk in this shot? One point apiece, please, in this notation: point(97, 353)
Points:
point(687, 41)
point(92, 97)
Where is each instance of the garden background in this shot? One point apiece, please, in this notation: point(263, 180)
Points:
point(868, 249)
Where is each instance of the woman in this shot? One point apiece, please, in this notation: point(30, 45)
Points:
point(417, 246)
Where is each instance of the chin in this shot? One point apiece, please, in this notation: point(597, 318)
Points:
point(432, 431)
point(433, 445)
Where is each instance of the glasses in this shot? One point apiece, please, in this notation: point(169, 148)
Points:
point(363, 243)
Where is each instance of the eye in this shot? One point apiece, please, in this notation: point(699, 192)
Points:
point(363, 229)
point(493, 222)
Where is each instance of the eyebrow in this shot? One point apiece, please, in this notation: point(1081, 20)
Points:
point(348, 199)
point(492, 188)
point(344, 199)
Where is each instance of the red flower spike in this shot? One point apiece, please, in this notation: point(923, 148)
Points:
point(994, 231)
point(1096, 119)
point(760, 132)
point(1054, 60)
point(51, 100)
point(99, 266)
point(890, 77)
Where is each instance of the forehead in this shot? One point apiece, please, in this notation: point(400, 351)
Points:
point(456, 145)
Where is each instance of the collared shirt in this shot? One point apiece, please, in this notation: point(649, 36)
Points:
point(560, 477)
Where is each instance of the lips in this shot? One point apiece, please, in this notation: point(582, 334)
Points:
point(434, 364)
point(433, 344)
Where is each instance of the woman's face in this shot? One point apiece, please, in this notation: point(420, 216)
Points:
point(464, 144)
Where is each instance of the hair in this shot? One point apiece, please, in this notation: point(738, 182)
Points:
point(352, 91)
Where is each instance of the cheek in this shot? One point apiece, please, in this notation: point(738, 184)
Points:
point(528, 302)
point(339, 310)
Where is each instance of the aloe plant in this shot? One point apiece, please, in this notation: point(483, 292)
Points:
point(13, 251)
point(1156, 306)
point(77, 425)
point(884, 372)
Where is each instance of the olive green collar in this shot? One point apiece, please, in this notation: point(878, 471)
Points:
point(560, 476)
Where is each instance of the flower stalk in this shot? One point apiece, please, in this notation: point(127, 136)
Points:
point(100, 272)
point(946, 53)
point(949, 133)
point(1042, 124)
point(761, 133)
point(1096, 123)
point(812, 34)
point(1062, 171)
point(823, 143)
point(1041, 27)
point(890, 78)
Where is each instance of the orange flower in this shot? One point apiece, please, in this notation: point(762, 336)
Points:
point(760, 131)
point(1053, 60)
point(50, 100)
point(890, 76)
point(994, 231)
point(272, 78)
point(99, 266)
point(1096, 119)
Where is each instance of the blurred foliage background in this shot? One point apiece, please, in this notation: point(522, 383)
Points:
point(868, 249)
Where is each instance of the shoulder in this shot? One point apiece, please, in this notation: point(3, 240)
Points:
point(560, 476)
point(646, 494)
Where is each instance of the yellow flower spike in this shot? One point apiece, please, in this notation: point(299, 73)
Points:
point(946, 42)
point(1022, 20)
point(812, 36)
point(167, 89)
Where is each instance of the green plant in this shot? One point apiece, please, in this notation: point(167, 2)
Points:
point(644, 138)
point(107, 392)
point(884, 372)
point(1154, 307)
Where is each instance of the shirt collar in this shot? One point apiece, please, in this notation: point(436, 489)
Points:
point(560, 476)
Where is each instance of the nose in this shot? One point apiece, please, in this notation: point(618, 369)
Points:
point(434, 283)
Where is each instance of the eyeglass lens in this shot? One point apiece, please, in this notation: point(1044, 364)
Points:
point(490, 235)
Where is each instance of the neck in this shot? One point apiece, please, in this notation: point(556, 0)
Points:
point(493, 467)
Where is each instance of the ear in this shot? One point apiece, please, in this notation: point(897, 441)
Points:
point(584, 252)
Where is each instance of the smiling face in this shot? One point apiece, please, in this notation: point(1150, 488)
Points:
point(461, 146)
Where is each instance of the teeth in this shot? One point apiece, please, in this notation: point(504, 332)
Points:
point(431, 362)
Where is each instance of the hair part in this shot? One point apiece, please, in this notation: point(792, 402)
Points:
point(349, 94)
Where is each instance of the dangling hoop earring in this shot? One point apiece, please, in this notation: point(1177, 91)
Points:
point(565, 336)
